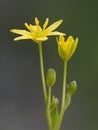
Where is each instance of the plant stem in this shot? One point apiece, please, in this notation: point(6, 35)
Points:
point(64, 85)
point(42, 72)
point(49, 98)
point(48, 109)
point(57, 127)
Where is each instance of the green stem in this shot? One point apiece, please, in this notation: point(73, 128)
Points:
point(42, 72)
point(48, 112)
point(64, 85)
point(57, 127)
point(49, 98)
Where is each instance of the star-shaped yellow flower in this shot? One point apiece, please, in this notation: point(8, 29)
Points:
point(66, 48)
point(36, 33)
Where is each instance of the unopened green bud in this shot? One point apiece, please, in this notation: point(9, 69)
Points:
point(54, 103)
point(50, 77)
point(72, 87)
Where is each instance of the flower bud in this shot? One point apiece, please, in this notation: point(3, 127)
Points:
point(66, 48)
point(50, 77)
point(72, 88)
point(54, 103)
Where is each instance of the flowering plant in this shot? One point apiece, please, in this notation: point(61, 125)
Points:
point(66, 49)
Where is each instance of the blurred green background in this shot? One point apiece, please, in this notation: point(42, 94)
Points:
point(21, 99)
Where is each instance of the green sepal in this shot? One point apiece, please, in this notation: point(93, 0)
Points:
point(54, 111)
point(67, 101)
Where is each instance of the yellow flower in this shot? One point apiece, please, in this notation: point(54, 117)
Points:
point(66, 48)
point(36, 33)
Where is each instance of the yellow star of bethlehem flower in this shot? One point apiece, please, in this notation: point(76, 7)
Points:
point(66, 48)
point(36, 33)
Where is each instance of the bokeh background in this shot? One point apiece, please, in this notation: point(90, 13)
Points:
point(21, 99)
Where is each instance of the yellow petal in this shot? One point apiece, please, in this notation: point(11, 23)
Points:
point(70, 39)
point(42, 38)
point(46, 23)
point(56, 33)
point(25, 34)
point(53, 26)
point(27, 26)
point(72, 48)
point(62, 52)
point(22, 38)
point(69, 43)
point(61, 40)
point(19, 31)
point(36, 21)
